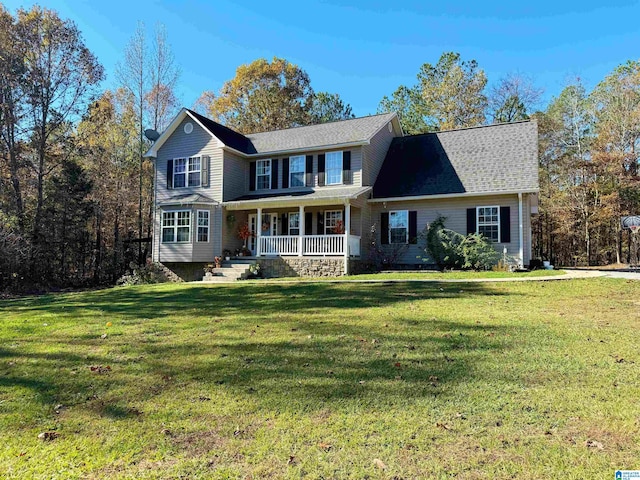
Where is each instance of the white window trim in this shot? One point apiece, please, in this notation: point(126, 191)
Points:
point(406, 237)
point(325, 221)
point(198, 226)
point(175, 226)
point(186, 172)
point(304, 170)
point(326, 169)
point(289, 222)
point(264, 175)
point(488, 224)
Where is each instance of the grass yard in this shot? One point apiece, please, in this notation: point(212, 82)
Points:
point(525, 380)
point(430, 275)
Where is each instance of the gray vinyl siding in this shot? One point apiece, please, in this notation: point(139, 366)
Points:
point(180, 145)
point(193, 251)
point(356, 169)
point(455, 211)
point(374, 154)
point(236, 176)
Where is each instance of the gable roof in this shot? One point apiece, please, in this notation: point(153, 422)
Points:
point(488, 159)
point(229, 137)
point(343, 132)
point(353, 130)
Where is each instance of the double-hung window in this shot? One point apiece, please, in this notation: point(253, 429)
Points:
point(333, 222)
point(294, 223)
point(296, 171)
point(263, 174)
point(399, 226)
point(186, 172)
point(176, 226)
point(488, 221)
point(203, 226)
point(334, 168)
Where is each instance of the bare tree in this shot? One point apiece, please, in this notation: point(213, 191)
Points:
point(513, 98)
point(161, 99)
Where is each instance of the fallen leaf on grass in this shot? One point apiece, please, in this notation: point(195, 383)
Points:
point(594, 444)
point(48, 436)
point(443, 426)
point(325, 446)
point(292, 460)
point(379, 463)
point(100, 368)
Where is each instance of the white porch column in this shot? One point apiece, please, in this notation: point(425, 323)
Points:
point(301, 231)
point(520, 231)
point(347, 230)
point(258, 231)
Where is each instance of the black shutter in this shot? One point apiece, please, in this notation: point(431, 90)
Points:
point(284, 229)
point(169, 174)
point(285, 173)
point(308, 223)
point(471, 220)
point(204, 171)
point(505, 224)
point(309, 171)
point(252, 176)
point(274, 174)
point(384, 228)
point(413, 226)
point(320, 226)
point(347, 178)
point(321, 170)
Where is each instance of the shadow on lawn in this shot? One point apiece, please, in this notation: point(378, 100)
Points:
point(298, 357)
point(238, 298)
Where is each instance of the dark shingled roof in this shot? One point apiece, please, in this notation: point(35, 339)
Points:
point(325, 134)
point(492, 158)
point(331, 133)
point(229, 137)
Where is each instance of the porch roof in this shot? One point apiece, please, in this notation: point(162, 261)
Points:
point(188, 199)
point(323, 196)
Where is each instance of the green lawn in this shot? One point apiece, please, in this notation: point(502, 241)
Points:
point(429, 275)
point(525, 380)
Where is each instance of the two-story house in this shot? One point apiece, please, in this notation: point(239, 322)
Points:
point(309, 196)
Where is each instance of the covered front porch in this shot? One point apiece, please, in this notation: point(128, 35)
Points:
point(297, 227)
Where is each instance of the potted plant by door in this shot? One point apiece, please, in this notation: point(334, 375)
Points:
point(244, 232)
point(227, 254)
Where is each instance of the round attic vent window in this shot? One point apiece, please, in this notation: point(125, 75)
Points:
point(188, 128)
point(390, 127)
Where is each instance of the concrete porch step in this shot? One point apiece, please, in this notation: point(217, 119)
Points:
point(230, 271)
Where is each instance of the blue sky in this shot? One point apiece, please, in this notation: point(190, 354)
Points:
point(366, 49)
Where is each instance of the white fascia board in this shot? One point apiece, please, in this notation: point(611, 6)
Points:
point(277, 153)
point(451, 195)
point(153, 151)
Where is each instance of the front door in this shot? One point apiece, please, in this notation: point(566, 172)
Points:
point(268, 227)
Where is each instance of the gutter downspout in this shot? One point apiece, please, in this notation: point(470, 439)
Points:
point(520, 231)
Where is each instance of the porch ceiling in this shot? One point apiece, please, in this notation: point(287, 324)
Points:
point(324, 196)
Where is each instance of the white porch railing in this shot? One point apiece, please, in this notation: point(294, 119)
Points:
point(323, 245)
point(311, 245)
point(279, 245)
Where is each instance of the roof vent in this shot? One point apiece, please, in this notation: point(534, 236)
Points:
point(188, 128)
point(390, 127)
